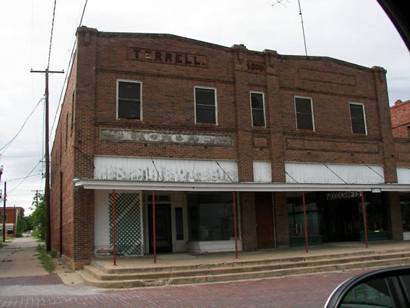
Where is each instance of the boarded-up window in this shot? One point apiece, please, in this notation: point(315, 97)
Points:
point(358, 119)
point(258, 109)
point(304, 117)
point(129, 100)
point(205, 105)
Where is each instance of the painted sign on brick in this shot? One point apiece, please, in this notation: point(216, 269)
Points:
point(140, 136)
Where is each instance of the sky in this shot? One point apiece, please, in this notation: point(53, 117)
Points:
point(350, 30)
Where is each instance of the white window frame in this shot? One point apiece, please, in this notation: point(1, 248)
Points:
point(216, 104)
point(264, 107)
point(117, 94)
point(311, 110)
point(364, 118)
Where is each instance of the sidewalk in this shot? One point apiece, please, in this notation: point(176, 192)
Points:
point(17, 259)
point(182, 259)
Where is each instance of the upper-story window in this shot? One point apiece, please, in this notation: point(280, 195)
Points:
point(205, 105)
point(358, 116)
point(258, 109)
point(129, 99)
point(304, 113)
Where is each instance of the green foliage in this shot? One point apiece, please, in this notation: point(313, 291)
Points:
point(53, 254)
point(23, 225)
point(45, 258)
point(19, 227)
point(38, 218)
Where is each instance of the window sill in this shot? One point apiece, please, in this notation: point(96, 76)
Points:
point(129, 120)
point(206, 124)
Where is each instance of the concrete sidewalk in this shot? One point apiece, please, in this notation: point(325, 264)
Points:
point(183, 259)
point(17, 259)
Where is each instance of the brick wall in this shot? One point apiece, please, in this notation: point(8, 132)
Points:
point(12, 215)
point(62, 172)
point(400, 119)
point(248, 221)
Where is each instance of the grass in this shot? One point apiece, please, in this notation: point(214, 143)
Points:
point(45, 259)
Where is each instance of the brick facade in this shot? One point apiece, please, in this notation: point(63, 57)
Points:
point(400, 119)
point(13, 214)
point(169, 74)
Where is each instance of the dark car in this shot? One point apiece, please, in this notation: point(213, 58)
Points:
point(387, 287)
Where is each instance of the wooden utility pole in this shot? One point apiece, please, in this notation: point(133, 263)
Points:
point(4, 211)
point(47, 155)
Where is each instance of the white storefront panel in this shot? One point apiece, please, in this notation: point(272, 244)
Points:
point(262, 172)
point(101, 222)
point(164, 170)
point(320, 173)
point(403, 175)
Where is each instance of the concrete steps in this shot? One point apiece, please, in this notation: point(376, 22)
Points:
point(99, 275)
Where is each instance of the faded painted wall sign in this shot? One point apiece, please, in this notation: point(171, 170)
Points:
point(141, 136)
point(167, 57)
point(164, 170)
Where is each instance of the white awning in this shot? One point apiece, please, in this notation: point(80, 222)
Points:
point(240, 187)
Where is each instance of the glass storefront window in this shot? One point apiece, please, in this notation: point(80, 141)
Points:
point(405, 211)
point(376, 212)
point(337, 216)
point(296, 218)
point(210, 216)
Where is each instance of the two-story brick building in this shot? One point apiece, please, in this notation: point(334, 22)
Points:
point(13, 214)
point(400, 119)
point(195, 126)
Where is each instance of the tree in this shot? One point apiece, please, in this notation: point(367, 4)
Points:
point(38, 217)
point(23, 225)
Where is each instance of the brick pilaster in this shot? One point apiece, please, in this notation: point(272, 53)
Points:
point(390, 174)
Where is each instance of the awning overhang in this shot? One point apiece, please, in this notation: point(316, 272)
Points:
point(229, 187)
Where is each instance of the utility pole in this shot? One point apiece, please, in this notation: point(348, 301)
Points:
point(47, 155)
point(4, 211)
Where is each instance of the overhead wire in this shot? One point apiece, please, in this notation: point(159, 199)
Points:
point(5, 146)
point(70, 61)
point(25, 177)
point(51, 34)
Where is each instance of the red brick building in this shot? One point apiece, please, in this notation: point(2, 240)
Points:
point(13, 214)
point(201, 125)
point(400, 119)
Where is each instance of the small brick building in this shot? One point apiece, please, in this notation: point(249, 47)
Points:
point(13, 214)
point(166, 127)
point(400, 119)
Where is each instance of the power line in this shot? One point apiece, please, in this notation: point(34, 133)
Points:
point(303, 27)
point(25, 177)
point(281, 2)
point(51, 34)
point(4, 147)
point(70, 61)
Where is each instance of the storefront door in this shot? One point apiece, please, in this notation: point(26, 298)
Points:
point(264, 219)
point(163, 227)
